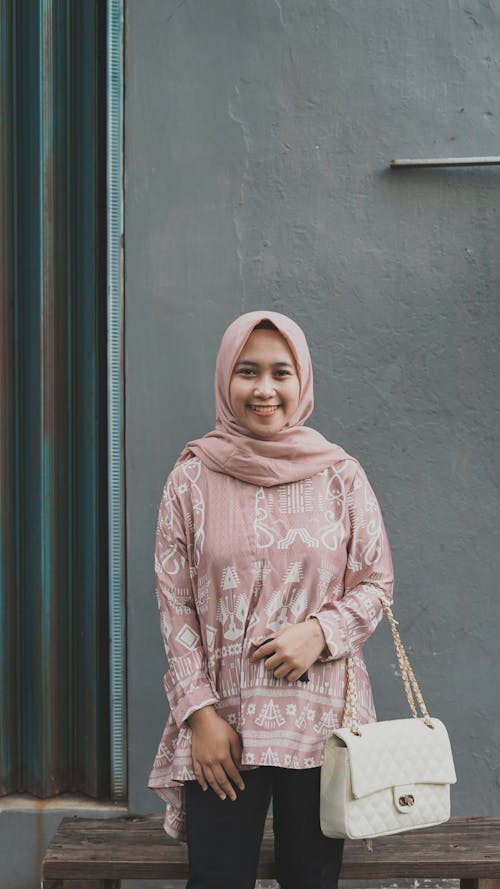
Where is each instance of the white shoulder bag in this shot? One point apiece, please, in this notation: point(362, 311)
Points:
point(386, 777)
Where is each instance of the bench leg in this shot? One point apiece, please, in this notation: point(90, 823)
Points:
point(480, 883)
point(80, 884)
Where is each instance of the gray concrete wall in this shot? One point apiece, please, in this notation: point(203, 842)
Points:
point(258, 135)
point(257, 138)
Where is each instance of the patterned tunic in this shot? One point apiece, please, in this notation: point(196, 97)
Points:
point(236, 562)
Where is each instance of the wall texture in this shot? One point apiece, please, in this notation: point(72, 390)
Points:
point(258, 136)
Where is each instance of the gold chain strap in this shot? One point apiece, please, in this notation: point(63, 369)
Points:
point(410, 683)
point(351, 700)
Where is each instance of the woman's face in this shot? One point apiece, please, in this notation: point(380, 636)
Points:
point(265, 388)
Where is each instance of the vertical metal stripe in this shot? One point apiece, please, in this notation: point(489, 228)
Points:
point(54, 605)
point(44, 748)
point(52, 747)
point(72, 702)
point(30, 526)
point(33, 592)
point(9, 725)
point(115, 396)
point(45, 586)
point(88, 355)
point(17, 629)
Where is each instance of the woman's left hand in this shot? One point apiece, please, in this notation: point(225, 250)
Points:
point(292, 650)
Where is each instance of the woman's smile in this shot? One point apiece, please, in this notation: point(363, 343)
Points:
point(264, 410)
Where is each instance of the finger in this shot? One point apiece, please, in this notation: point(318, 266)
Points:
point(283, 671)
point(232, 767)
point(263, 651)
point(256, 656)
point(275, 662)
point(294, 675)
point(223, 781)
point(214, 784)
point(234, 774)
point(200, 777)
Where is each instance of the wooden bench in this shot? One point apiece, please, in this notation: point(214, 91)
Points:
point(89, 853)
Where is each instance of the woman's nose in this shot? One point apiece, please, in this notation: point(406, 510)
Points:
point(264, 387)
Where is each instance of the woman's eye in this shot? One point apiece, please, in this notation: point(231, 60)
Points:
point(249, 372)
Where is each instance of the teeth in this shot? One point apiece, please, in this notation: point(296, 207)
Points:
point(264, 410)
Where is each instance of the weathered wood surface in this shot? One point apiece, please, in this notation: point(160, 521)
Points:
point(81, 884)
point(480, 884)
point(137, 847)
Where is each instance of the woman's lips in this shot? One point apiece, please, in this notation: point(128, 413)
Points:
point(261, 411)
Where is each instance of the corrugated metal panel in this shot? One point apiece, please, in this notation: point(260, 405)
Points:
point(54, 692)
point(89, 424)
point(114, 80)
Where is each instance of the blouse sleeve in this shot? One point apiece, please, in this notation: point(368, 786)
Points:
point(348, 622)
point(187, 683)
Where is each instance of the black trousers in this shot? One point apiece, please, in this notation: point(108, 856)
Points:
point(224, 836)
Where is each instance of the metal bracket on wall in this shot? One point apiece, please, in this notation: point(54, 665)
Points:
point(445, 162)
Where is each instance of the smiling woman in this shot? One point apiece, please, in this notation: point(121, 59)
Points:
point(271, 556)
point(265, 387)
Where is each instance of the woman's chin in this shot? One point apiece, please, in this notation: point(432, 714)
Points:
point(266, 430)
point(261, 426)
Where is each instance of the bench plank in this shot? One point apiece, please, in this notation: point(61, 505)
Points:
point(137, 847)
point(81, 884)
point(479, 884)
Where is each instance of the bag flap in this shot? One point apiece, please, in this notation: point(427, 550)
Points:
point(398, 751)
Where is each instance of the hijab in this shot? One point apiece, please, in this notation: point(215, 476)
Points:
point(296, 451)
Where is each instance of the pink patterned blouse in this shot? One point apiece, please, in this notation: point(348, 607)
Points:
point(235, 562)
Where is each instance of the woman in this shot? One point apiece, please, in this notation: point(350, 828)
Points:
point(271, 554)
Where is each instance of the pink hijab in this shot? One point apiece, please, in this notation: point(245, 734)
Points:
point(294, 453)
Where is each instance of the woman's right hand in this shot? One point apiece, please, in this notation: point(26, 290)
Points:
point(216, 752)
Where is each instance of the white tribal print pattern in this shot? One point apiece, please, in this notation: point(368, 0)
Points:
point(236, 562)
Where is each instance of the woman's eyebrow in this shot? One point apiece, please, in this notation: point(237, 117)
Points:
point(256, 363)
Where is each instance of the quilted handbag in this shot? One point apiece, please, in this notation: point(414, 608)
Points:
point(390, 776)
